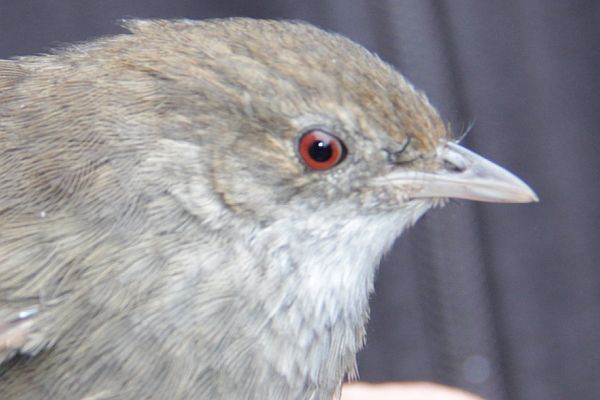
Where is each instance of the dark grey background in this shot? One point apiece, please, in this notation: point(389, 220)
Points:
point(503, 300)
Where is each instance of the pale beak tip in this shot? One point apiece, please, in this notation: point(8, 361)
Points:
point(532, 197)
point(526, 195)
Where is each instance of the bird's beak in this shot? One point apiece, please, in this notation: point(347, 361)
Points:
point(463, 175)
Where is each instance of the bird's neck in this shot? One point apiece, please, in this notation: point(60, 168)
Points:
point(316, 279)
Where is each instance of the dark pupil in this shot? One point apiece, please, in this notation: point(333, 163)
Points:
point(320, 151)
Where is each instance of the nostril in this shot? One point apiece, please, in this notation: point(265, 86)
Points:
point(454, 167)
point(454, 162)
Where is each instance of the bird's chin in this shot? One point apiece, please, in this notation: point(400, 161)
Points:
point(438, 202)
point(409, 212)
point(414, 208)
point(388, 201)
point(427, 202)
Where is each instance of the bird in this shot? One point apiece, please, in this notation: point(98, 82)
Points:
point(197, 209)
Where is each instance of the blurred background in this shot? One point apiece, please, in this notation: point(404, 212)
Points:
point(503, 300)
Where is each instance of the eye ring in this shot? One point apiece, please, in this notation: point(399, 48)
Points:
point(321, 150)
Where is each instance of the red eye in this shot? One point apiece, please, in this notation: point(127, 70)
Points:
point(321, 150)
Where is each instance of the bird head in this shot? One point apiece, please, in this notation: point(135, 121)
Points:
point(299, 119)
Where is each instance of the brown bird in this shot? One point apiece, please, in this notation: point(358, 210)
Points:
point(196, 210)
